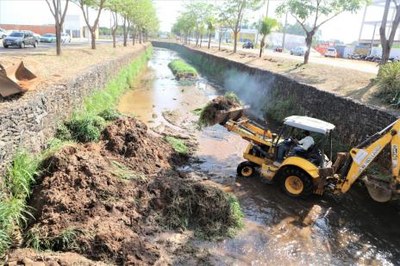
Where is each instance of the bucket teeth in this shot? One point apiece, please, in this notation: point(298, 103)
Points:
point(13, 80)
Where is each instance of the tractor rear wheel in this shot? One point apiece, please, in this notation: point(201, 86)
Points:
point(246, 169)
point(296, 183)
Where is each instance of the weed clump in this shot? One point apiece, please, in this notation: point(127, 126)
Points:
point(388, 81)
point(209, 114)
point(82, 129)
point(182, 70)
point(209, 211)
point(178, 145)
point(110, 114)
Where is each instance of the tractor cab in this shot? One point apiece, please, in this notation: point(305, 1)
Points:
point(293, 131)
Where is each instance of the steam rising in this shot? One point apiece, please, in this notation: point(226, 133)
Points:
point(253, 90)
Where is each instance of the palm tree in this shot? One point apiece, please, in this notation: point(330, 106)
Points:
point(267, 25)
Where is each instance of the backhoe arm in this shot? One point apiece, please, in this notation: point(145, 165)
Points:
point(366, 152)
point(250, 131)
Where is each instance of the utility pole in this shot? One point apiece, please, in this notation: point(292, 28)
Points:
point(284, 33)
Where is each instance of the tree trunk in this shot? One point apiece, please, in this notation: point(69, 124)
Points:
point(219, 42)
point(262, 44)
point(209, 40)
point(133, 37)
point(235, 33)
point(93, 35)
point(197, 39)
point(125, 33)
point(58, 39)
point(201, 39)
point(114, 31)
point(140, 37)
point(309, 38)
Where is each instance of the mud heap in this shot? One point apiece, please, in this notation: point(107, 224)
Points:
point(107, 200)
point(210, 114)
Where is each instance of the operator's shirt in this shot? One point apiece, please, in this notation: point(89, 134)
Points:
point(306, 142)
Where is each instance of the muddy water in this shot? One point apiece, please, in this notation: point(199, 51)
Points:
point(336, 230)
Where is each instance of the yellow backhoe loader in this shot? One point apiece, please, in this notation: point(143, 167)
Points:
point(300, 175)
point(15, 79)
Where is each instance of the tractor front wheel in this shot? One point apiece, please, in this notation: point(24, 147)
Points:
point(296, 183)
point(246, 169)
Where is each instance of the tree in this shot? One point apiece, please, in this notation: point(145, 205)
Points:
point(58, 13)
point(319, 12)
point(85, 5)
point(211, 30)
point(115, 6)
point(388, 42)
point(267, 25)
point(233, 11)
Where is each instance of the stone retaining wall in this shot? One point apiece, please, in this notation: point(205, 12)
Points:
point(261, 89)
point(30, 121)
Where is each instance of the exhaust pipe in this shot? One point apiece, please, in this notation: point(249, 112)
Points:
point(15, 79)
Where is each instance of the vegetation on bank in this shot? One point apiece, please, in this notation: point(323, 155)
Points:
point(85, 125)
point(388, 81)
point(182, 70)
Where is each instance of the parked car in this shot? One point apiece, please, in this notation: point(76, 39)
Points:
point(331, 52)
point(48, 37)
point(20, 39)
point(65, 37)
point(248, 44)
point(37, 36)
point(3, 33)
point(299, 50)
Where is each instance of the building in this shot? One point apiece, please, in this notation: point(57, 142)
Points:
point(369, 32)
point(36, 16)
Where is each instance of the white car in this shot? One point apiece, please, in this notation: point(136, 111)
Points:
point(65, 38)
point(331, 52)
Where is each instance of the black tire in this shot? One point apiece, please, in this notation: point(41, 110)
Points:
point(246, 169)
point(22, 45)
point(5, 46)
point(35, 44)
point(296, 183)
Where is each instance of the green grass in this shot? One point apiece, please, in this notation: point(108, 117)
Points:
point(178, 145)
point(236, 215)
point(39, 240)
point(14, 212)
point(181, 69)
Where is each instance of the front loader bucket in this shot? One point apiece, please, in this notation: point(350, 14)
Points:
point(222, 117)
point(14, 79)
point(379, 190)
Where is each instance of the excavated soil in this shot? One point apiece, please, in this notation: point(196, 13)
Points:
point(106, 201)
point(208, 115)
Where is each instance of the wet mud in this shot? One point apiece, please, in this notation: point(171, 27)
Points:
point(334, 230)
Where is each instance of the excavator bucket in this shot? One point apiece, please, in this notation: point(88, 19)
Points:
point(221, 117)
point(379, 190)
point(15, 79)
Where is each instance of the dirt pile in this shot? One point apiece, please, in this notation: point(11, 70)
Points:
point(108, 200)
point(83, 201)
point(211, 113)
point(129, 140)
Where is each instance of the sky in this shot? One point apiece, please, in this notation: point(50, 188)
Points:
point(345, 27)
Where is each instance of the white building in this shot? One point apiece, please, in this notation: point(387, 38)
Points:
point(38, 13)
